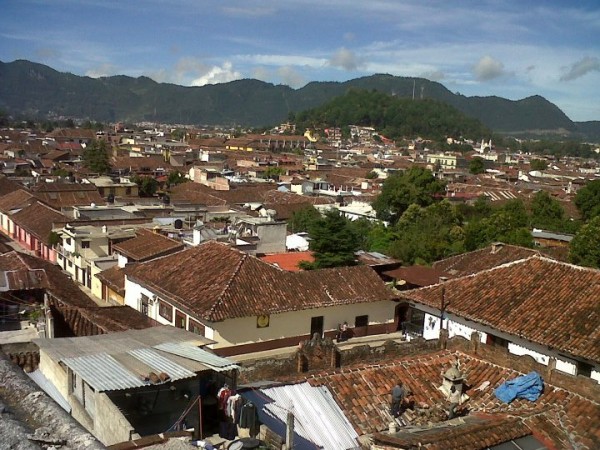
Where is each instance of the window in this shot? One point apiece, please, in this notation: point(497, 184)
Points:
point(165, 310)
point(70, 263)
point(584, 369)
point(361, 321)
point(128, 191)
point(85, 244)
point(196, 327)
point(68, 241)
point(316, 326)
point(144, 305)
point(179, 319)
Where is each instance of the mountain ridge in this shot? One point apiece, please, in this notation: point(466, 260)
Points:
point(34, 89)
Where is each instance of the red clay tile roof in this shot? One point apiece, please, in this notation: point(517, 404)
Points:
point(218, 282)
point(56, 282)
point(288, 261)
point(16, 275)
point(363, 394)
point(544, 301)
point(195, 193)
point(483, 259)
point(147, 245)
point(16, 200)
point(114, 278)
point(108, 319)
point(39, 220)
point(7, 186)
point(417, 275)
point(476, 433)
point(60, 195)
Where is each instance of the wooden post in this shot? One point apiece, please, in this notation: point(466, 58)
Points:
point(289, 431)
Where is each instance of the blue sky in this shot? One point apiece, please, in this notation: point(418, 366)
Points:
point(511, 48)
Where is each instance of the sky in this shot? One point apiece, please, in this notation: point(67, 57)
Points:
point(507, 48)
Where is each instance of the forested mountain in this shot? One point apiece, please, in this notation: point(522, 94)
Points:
point(35, 90)
point(393, 117)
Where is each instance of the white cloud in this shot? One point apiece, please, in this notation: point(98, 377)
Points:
point(581, 67)
point(291, 77)
point(218, 74)
point(488, 68)
point(436, 75)
point(261, 73)
point(103, 70)
point(345, 59)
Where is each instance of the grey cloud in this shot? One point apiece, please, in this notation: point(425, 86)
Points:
point(581, 67)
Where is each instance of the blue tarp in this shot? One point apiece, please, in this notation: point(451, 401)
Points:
point(528, 386)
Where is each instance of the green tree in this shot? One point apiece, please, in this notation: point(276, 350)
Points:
point(427, 234)
point(273, 172)
point(538, 164)
point(303, 219)
point(476, 165)
point(147, 185)
point(546, 212)
point(416, 185)
point(175, 177)
point(587, 200)
point(333, 241)
point(508, 223)
point(584, 249)
point(95, 157)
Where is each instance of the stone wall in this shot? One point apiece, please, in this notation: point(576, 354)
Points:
point(323, 354)
point(500, 356)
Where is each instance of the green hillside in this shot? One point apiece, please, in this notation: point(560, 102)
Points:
point(35, 90)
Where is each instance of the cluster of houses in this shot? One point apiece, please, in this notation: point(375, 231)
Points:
point(140, 306)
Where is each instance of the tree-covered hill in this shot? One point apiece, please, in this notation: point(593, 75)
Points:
point(392, 117)
point(36, 90)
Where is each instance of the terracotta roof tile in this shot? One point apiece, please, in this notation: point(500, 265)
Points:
point(363, 394)
point(16, 200)
point(218, 282)
point(60, 195)
point(39, 220)
point(7, 186)
point(147, 245)
point(545, 301)
point(114, 278)
point(483, 259)
point(288, 261)
point(56, 282)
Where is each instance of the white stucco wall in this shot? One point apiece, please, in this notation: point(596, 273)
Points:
point(431, 328)
point(596, 375)
point(518, 350)
point(566, 366)
point(244, 330)
point(296, 323)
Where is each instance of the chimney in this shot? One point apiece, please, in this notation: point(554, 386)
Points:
point(496, 247)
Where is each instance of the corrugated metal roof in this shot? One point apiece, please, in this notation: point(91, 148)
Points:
point(317, 416)
point(103, 372)
point(49, 388)
point(120, 342)
point(161, 364)
point(197, 354)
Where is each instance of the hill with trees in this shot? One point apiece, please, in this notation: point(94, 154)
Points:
point(38, 91)
point(392, 117)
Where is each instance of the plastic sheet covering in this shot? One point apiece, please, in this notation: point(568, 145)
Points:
point(528, 386)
